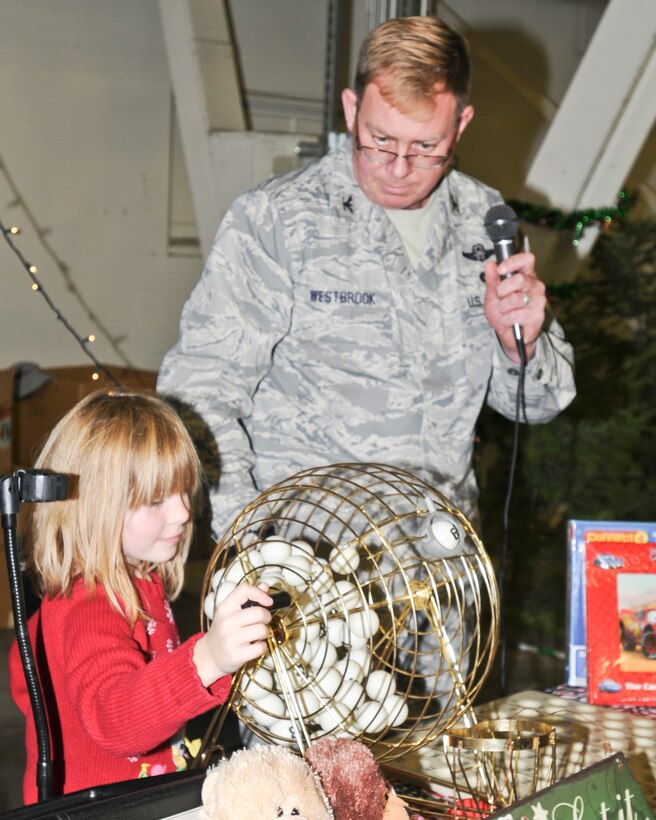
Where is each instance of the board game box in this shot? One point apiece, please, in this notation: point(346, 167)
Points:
point(620, 587)
point(580, 532)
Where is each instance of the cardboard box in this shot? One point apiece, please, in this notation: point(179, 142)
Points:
point(580, 533)
point(26, 423)
point(620, 581)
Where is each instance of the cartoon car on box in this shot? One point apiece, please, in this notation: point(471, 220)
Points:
point(610, 685)
point(638, 630)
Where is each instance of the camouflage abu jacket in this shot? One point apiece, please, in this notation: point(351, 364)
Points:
point(311, 340)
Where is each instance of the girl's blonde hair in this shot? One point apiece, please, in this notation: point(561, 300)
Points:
point(121, 449)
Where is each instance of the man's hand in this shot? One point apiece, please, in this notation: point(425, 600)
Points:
point(518, 299)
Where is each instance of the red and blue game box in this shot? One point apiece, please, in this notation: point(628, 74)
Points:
point(620, 587)
point(581, 532)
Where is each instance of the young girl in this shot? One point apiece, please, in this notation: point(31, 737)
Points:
point(118, 684)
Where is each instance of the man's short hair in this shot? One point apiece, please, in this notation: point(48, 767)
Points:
point(408, 56)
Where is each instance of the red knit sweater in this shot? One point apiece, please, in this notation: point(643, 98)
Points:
point(115, 696)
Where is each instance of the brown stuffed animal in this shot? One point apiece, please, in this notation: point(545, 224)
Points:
point(353, 782)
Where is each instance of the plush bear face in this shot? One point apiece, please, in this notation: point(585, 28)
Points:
point(263, 783)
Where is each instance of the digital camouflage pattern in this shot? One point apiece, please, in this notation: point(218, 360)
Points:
point(310, 339)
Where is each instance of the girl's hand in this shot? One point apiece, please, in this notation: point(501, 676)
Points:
point(236, 636)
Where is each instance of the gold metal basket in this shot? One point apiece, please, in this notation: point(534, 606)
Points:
point(495, 763)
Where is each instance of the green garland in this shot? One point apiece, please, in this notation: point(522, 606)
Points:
point(577, 221)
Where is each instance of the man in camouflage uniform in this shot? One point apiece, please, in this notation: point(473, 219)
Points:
point(347, 313)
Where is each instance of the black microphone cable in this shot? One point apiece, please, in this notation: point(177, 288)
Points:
point(520, 408)
point(501, 226)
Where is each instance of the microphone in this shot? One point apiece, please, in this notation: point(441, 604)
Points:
point(501, 226)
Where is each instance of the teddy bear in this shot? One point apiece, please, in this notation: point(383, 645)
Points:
point(337, 779)
point(263, 783)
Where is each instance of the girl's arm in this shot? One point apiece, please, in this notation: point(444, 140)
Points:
point(130, 702)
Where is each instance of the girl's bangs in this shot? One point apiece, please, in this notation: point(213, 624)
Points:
point(167, 466)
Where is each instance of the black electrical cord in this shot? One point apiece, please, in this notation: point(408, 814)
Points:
point(519, 406)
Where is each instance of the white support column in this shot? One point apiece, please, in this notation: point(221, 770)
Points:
point(207, 96)
point(222, 158)
point(605, 116)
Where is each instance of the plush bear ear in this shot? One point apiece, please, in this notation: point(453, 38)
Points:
point(350, 778)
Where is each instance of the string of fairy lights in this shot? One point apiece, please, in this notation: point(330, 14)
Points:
point(32, 271)
point(18, 201)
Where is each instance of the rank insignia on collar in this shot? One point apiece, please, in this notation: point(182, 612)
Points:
point(478, 252)
point(347, 204)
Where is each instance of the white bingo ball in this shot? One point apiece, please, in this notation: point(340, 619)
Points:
point(447, 532)
point(253, 558)
point(364, 624)
point(306, 630)
point(296, 571)
point(371, 717)
point(322, 577)
point(336, 631)
point(397, 710)
point(348, 595)
point(349, 728)
point(271, 576)
point(257, 683)
point(350, 669)
point(209, 604)
point(302, 650)
point(361, 656)
point(235, 572)
point(268, 709)
point(306, 700)
point(333, 716)
point(302, 548)
point(355, 641)
point(349, 694)
point(275, 550)
point(254, 693)
point(380, 684)
point(284, 731)
point(245, 539)
point(213, 599)
point(328, 682)
point(324, 655)
point(345, 560)
point(216, 578)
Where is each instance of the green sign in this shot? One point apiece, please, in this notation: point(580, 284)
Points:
point(605, 791)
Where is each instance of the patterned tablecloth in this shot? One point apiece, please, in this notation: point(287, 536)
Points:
point(585, 734)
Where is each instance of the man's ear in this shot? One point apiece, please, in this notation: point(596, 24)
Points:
point(350, 106)
point(465, 118)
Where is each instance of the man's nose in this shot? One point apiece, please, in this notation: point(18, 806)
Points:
point(400, 167)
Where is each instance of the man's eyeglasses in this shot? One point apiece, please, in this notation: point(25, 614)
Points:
point(382, 157)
